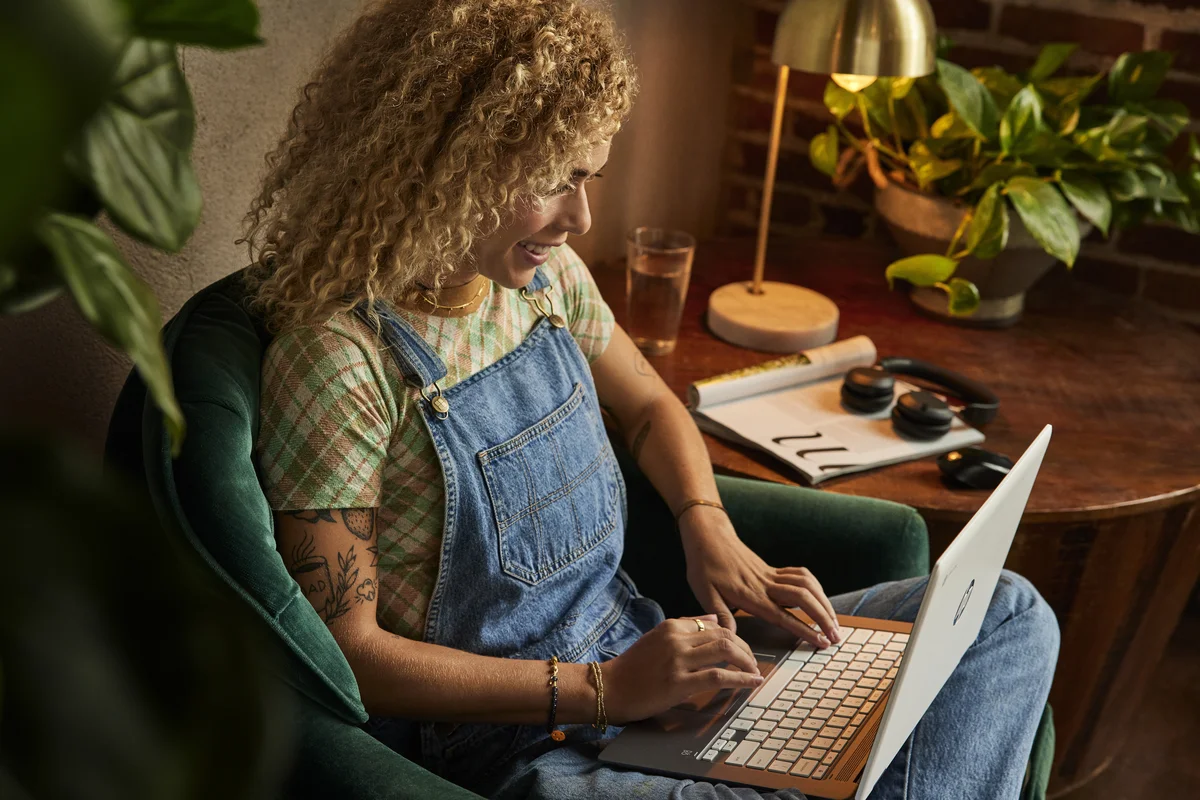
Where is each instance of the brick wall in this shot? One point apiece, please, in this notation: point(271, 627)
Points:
point(1160, 264)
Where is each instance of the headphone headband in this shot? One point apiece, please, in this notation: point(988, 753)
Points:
point(982, 402)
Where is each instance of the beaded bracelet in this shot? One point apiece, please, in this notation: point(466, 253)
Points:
point(551, 728)
point(601, 722)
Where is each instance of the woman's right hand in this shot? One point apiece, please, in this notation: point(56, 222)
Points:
point(673, 662)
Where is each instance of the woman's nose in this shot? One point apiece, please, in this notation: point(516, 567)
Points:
point(575, 215)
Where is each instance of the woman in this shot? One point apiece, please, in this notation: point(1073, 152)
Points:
point(432, 440)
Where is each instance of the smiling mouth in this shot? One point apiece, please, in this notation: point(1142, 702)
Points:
point(537, 249)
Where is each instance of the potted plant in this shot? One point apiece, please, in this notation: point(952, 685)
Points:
point(955, 153)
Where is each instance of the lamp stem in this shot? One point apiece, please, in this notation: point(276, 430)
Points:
point(764, 218)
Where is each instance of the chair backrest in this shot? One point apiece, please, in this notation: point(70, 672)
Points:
point(211, 494)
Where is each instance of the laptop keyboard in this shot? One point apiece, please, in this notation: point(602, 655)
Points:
point(802, 717)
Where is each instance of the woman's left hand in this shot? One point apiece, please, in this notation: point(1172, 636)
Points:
point(723, 574)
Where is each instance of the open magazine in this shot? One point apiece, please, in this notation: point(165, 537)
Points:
point(791, 408)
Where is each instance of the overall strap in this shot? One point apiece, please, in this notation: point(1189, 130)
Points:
point(418, 362)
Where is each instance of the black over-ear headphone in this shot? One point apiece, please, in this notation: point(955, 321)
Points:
point(921, 414)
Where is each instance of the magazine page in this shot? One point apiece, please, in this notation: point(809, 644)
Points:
point(790, 370)
point(807, 427)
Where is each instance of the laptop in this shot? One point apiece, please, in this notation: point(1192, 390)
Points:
point(829, 722)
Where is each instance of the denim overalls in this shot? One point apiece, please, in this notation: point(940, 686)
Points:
point(535, 524)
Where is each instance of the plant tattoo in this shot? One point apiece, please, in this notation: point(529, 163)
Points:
point(332, 593)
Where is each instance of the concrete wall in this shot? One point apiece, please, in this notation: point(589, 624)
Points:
point(55, 372)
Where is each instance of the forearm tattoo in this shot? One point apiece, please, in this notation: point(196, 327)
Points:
point(333, 592)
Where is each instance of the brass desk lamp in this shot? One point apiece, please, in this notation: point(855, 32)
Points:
point(855, 41)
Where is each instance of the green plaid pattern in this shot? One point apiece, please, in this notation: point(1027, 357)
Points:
point(340, 428)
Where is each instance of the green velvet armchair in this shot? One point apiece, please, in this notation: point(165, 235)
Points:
point(211, 496)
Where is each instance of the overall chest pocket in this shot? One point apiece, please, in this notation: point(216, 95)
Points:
point(554, 491)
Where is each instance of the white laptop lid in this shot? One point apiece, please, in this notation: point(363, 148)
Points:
point(952, 611)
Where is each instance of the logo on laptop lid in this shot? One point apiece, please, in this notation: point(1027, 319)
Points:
point(962, 604)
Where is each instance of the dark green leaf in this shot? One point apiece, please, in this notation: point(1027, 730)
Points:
point(928, 167)
point(1089, 197)
point(1182, 215)
point(964, 296)
point(136, 150)
point(1170, 117)
point(925, 270)
point(1047, 217)
point(970, 100)
point(1126, 185)
point(1022, 122)
point(1137, 76)
point(208, 23)
point(823, 151)
point(901, 87)
point(56, 57)
point(116, 302)
point(1194, 147)
point(1002, 85)
point(839, 101)
point(1161, 184)
point(999, 173)
point(987, 235)
point(1189, 182)
point(1050, 59)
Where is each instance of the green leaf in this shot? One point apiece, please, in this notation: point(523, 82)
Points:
point(1137, 76)
point(1063, 98)
point(999, 173)
point(1047, 217)
point(1050, 59)
point(964, 296)
point(1022, 123)
point(1194, 147)
point(1002, 85)
point(987, 235)
point(969, 99)
point(839, 101)
point(951, 126)
point(823, 151)
point(925, 270)
point(1189, 182)
point(1089, 197)
point(901, 87)
point(1170, 117)
point(221, 24)
point(136, 150)
point(929, 168)
point(116, 302)
point(1183, 215)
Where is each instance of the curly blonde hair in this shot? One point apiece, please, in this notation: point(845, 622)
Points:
point(426, 124)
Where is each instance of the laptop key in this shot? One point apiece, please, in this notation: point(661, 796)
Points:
point(875, 673)
point(772, 715)
point(750, 713)
point(790, 755)
point(760, 759)
point(812, 666)
point(843, 684)
point(780, 765)
point(872, 648)
point(741, 724)
point(828, 702)
point(741, 754)
point(820, 658)
point(868, 681)
point(756, 736)
point(812, 723)
point(859, 636)
point(800, 655)
point(852, 702)
point(829, 758)
point(901, 637)
point(711, 755)
point(773, 744)
point(836, 694)
point(805, 702)
point(763, 725)
point(828, 675)
point(819, 684)
point(875, 695)
point(788, 725)
point(852, 675)
point(727, 733)
point(880, 637)
point(858, 719)
point(860, 691)
point(780, 678)
point(781, 705)
point(840, 744)
point(822, 743)
point(789, 695)
point(804, 767)
point(820, 773)
point(728, 745)
point(821, 713)
point(842, 656)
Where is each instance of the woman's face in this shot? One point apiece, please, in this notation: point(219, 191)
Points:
point(512, 254)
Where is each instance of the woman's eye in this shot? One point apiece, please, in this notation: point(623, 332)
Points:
point(570, 187)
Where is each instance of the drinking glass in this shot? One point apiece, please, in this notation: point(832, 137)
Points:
point(658, 266)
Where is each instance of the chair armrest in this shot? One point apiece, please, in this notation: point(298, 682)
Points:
point(334, 758)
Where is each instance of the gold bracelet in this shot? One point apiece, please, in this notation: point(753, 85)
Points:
point(690, 503)
point(601, 722)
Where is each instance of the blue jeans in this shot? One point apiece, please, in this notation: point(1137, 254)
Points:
point(973, 742)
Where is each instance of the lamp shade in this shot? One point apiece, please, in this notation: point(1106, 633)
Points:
point(896, 38)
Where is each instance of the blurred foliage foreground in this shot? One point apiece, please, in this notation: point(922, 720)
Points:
point(125, 672)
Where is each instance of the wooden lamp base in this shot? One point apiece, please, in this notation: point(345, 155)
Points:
point(781, 319)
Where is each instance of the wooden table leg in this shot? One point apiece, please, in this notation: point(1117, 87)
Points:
point(1118, 587)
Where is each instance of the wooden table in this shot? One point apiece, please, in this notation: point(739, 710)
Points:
point(1111, 535)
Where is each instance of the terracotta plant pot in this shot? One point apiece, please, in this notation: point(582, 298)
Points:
point(923, 223)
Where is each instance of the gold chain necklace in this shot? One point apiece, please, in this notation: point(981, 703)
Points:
point(438, 309)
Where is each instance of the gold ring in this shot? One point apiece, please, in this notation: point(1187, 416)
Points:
point(700, 625)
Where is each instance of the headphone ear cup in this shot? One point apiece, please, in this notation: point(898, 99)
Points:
point(922, 415)
point(868, 389)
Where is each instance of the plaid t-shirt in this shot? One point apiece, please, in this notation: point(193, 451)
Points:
point(340, 427)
